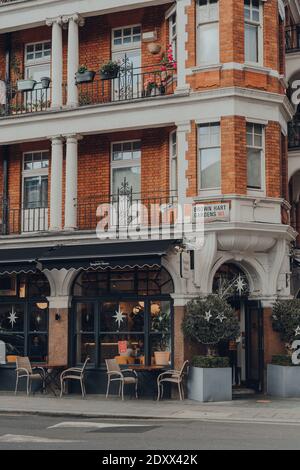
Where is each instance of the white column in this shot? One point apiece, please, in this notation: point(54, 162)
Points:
point(183, 128)
point(71, 182)
point(182, 38)
point(73, 57)
point(56, 62)
point(56, 183)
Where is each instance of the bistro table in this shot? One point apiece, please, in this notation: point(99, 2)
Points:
point(51, 376)
point(148, 374)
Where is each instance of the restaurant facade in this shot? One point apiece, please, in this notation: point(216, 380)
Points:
point(94, 172)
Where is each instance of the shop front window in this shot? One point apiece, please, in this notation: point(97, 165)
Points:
point(24, 316)
point(128, 325)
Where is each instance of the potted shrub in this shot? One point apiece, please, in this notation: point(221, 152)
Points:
point(45, 81)
point(110, 70)
point(26, 84)
point(160, 324)
point(283, 377)
point(208, 321)
point(83, 75)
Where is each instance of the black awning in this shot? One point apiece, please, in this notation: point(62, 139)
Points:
point(92, 256)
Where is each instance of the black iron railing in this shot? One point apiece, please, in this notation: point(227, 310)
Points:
point(294, 132)
point(24, 102)
point(122, 211)
point(131, 83)
point(15, 220)
point(292, 38)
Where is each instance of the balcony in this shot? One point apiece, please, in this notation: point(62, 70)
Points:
point(131, 84)
point(294, 132)
point(292, 38)
point(113, 213)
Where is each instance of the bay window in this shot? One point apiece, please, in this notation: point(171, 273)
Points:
point(209, 156)
point(207, 31)
point(253, 30)
point(255, 154)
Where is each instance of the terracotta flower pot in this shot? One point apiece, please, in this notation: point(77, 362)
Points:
point(162, 358)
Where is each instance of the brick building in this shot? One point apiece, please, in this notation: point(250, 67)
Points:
point(197, 115)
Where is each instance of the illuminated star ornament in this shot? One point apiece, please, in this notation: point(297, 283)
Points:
point(208, 316)
point(240, 285)
point(297, 331)
point(119, 317)
point(12, 317)
point(221, 317)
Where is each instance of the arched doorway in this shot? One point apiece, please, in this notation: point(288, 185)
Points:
point(246, 354)
point(24, 315)
point(122, 312)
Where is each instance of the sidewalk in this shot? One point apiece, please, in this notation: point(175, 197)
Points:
point(259, 410)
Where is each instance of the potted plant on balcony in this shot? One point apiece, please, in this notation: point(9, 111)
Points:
point(45, 81)
point(283, 376)
point(209, 321)
point(83, 75)
point(110, 70)
point(26, 84)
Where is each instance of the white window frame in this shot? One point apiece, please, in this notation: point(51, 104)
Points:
point(260, 33)
point(39, 172)
point(172, 35)
point(118, 164)
point(126, 47)
point(173, 162)
point(202, 23)
point(259, 191)
point(208, 191)
point(35, 63)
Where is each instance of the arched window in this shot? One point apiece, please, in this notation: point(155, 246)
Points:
point(123, 314)
point(24, 315)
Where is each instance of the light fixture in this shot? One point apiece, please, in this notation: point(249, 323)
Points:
point(42, 305)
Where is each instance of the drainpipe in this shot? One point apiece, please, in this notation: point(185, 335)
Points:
point(5, 148)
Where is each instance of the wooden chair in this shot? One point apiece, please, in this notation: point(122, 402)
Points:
point(115, 374)
point(172, 376)
point(24, 370)
point(74, 373)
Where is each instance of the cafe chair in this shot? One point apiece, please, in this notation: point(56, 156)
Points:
point(172, 376)
point(25, 370)
point(115, 374)
point(74, 373)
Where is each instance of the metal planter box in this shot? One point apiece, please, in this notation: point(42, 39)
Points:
point(213, 384)
point(85, 77)
point(26, 85)
point(283, 381)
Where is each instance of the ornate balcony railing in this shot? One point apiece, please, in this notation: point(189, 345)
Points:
point(115, 211)
point(292, 38)
point(130, 84)
point(25, 102)
point(294, 132)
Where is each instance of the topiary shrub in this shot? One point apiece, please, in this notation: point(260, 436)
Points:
point(210, 320)
point(286, 321)
point(209, 362)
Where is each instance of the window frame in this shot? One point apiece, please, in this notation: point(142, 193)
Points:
point(38, 172)
point(127, 47)
point(173, 161)
point(119, 164)
point(262, 189)
point(208, 191)
point(260, 33)
point(204, 23)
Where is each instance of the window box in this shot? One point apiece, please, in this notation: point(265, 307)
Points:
point(85, 77)
point(26, 85)
point(110, 70)
point(45, 81)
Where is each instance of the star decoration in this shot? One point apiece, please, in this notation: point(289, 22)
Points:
point(12, 317)
point(208, 316)
point(297, 331)
point(221, 317)
point(240, 285)
point(119, 317)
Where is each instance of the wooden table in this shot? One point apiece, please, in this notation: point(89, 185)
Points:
point(150, 374)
